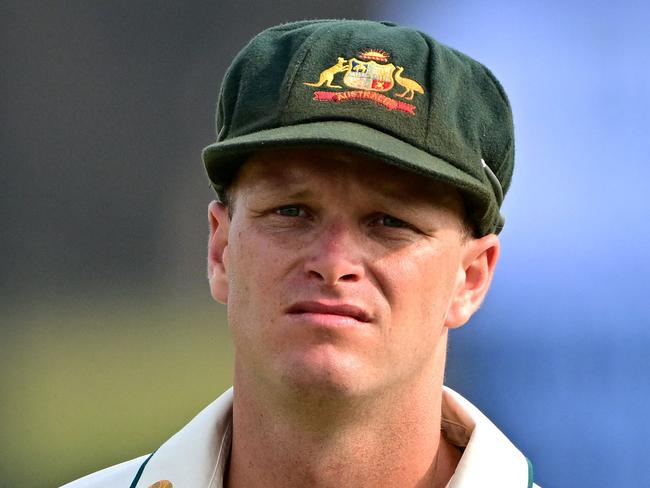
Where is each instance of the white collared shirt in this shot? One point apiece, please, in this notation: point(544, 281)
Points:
point(196, 456)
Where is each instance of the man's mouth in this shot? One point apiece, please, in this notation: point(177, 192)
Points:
point(321, 308)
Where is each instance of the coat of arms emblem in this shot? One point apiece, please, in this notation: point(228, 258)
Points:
point(368, 76)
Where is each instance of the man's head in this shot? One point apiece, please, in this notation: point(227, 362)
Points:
point(354, 156)
point(342, 274)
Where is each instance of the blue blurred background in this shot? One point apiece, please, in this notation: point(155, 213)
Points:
point(110, 341)
point(559, 355)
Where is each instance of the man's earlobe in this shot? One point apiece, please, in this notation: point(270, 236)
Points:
point(217, 251)
point(475, 274)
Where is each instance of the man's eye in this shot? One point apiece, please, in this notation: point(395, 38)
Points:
point(390, 221)
point(290, 211)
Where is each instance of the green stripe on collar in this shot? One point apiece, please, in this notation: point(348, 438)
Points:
point(134, 483)
point(530, 473)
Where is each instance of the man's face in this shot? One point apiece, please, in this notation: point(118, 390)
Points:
point(340, 273)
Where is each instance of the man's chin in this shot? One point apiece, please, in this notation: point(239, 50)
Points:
point(333, 378)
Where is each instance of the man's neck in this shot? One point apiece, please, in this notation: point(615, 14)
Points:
point(388, 442)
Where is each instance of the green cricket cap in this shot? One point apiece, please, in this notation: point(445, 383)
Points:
point(377, 88)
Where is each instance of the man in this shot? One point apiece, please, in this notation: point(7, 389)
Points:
point(360, 167)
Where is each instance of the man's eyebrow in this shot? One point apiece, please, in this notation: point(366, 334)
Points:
point(295, 195)
point(434, 192)
point(283, 188)
point(393, 192)
point(397, 192)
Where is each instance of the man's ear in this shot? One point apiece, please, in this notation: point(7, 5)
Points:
point(475, 272)
point(217, 246)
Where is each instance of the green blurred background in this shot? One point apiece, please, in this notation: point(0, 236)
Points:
point(89, 383)
point(110, 341)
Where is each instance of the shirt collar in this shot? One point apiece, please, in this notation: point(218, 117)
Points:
point(197, 455)
point(489, 458)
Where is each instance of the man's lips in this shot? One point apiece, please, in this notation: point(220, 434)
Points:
point(341, 309)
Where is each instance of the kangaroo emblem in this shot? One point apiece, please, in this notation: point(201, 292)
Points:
point(327, 76)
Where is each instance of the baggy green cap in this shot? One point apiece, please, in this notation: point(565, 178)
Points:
point(376, 88)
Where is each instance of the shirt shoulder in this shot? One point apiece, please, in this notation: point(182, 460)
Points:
point(119, 475)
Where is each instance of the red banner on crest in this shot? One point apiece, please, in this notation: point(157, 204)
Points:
point(383, 100)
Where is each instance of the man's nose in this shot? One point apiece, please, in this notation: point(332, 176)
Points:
point(335, 256)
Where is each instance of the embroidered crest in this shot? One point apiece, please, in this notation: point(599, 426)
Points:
point(369, 75)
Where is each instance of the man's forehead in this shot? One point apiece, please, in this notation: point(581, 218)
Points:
point(293, 169)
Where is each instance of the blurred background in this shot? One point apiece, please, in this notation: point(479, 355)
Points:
point(109, 339)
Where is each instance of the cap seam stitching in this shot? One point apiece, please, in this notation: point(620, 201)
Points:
point(431, 91)
point(287, 91)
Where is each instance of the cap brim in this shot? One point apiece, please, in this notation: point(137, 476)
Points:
point(222, 159)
